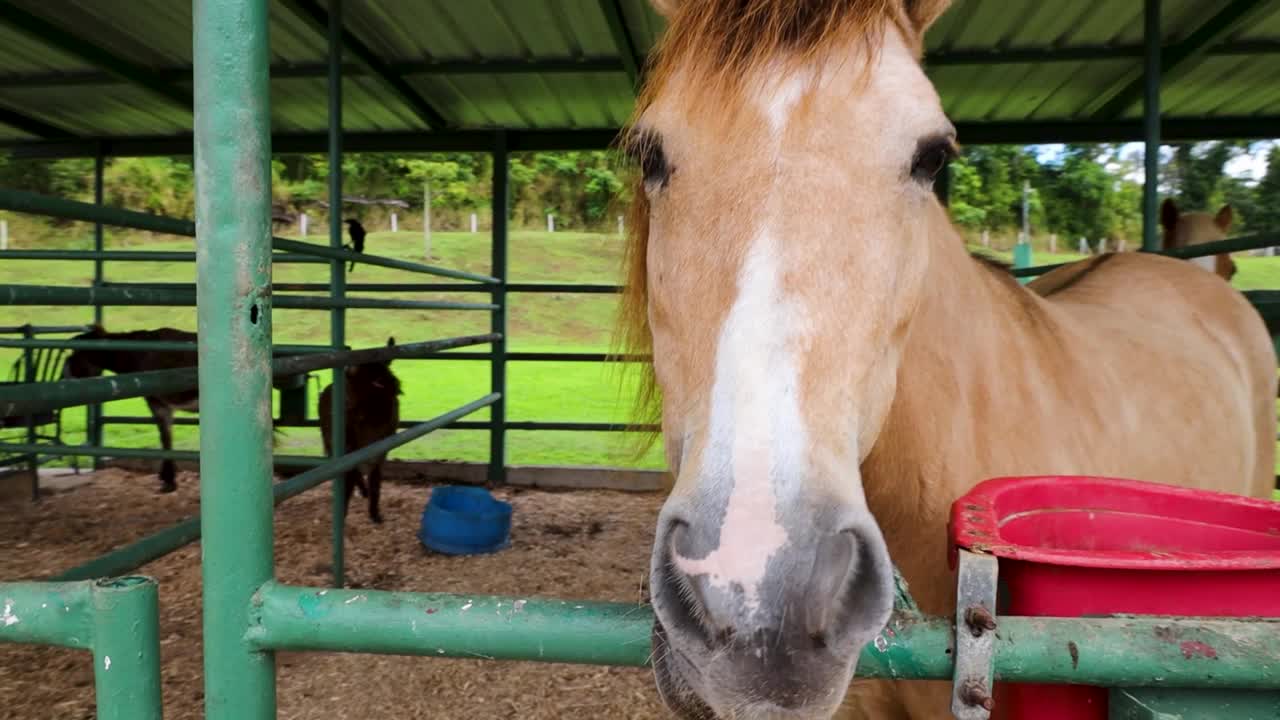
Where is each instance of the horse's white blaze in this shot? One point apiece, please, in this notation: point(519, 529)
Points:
point(781, 97)
point(758, 441)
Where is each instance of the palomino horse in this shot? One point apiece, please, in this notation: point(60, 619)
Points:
point(1196, 228)
point(833, 369)
point(91, 363)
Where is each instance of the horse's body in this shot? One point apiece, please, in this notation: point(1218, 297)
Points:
point(90, 363)
point(372, 413)
point(1196, 228)
point(835, 370)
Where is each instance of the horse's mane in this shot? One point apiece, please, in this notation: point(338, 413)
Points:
point(720, 42)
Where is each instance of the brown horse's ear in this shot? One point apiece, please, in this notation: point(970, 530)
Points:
point(1168, 218)
point(1223, 218)
point(96, 330)
point(665, 8)
point(923, 13)
point(391, 342)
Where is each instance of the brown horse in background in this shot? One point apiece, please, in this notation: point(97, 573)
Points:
point(372, 413)
point(833, 370)
point(91, 363)
point(1196, 228)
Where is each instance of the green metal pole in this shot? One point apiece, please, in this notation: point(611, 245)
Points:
point(1151, 126)
point(126, 649)
point(29, 379)
point(46, 613)
point(337, 289)
point(498, 364)
point(93, 418)
point(233, 242)
point(1125, 652)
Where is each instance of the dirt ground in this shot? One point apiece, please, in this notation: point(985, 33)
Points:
point(587, 544)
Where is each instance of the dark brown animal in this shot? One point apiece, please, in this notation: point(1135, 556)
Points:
point(91, 363)
point(372, 413)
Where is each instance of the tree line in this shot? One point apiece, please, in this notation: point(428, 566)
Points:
point(1091, 191)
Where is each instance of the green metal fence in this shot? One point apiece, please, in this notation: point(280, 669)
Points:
point(248, 615)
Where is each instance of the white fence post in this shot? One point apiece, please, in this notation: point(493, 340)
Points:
point(551, 223)
point(4, 234)
point(473, 223)
point(620, 228)
point(302, 224)
point(394, 227)
point(986, 239)
point(1084, 246)
point(1053, 243)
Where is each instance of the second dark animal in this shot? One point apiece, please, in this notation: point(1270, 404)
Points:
point(372, 413)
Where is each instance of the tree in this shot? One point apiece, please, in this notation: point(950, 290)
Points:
point(1266, 216)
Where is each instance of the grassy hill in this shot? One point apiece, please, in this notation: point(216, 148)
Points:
point(536, 391)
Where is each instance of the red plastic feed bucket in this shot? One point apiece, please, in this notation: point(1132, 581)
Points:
point(1075, 546)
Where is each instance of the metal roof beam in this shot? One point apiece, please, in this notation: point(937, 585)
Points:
point(311, 13)
point(631, 63)
point(78, 47)
point(1178, 58)
point(30, 125)
point(970, 133)
point(497, 66)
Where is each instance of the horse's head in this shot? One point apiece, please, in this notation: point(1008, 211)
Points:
point(376, 375)
point(85, 363)
point(1196, 228)
point(788, 151)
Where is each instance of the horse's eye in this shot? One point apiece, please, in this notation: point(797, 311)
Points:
point(645, 148)
point(932, 155)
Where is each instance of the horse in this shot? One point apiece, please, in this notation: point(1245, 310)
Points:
point(357, 233)
point(91, 363)
point(372, 413)
point(1196, 228)
point(832, 369)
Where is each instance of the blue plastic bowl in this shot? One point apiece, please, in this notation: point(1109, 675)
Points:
point(461, 520)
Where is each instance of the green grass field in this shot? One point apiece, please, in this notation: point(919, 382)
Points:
point(536, 391)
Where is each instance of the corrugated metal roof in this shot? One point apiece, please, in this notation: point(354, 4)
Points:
point(556, 64)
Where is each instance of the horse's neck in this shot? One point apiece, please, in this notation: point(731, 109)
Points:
point(975, 341)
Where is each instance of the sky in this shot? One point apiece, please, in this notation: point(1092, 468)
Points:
point(1249, 166)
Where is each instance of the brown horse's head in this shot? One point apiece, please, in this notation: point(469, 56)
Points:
point(374, 377)
point(85, 363)
point(788, 151)
point(1196, 228)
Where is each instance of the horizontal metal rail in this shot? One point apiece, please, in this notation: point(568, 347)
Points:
point(1230, 245)
point(1119, 652)
point(162, 543)
point(148, 297)
point(324, 287)
point(458, 425)
point(164, 256)
point(315, 476)
point(530, 288)
point(117, 620)
point(142, 345)
point(144, 453)
point(27, 399)
point(544, 357)
point(37, 204)
point(42, 329)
